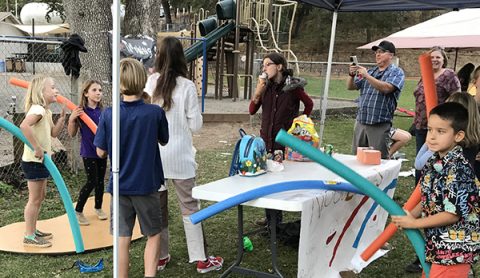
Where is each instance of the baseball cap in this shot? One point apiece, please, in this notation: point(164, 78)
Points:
point(385, 46)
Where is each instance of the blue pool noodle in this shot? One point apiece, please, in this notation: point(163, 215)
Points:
point(267, 190)
point(361, 183)
point(59, 182)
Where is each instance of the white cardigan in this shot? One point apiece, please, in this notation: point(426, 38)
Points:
point(184, 118)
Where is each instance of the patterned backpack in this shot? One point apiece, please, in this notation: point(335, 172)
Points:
point(249, 157)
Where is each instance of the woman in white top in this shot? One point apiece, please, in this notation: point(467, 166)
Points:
point(169, 88)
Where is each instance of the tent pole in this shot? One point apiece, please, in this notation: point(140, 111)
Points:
point(327, 78)
point(455, 62)
point(115, 128)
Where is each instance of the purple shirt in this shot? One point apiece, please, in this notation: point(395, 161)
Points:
point(87, 149)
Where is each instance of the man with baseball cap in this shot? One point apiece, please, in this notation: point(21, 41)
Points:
point(380, 89)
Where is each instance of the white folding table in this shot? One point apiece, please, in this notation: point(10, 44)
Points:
point(335, 226)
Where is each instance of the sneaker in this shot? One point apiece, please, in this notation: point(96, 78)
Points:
point(100, 214)
point(414, 267)
point(212, 263)
point(82, 220)
point(37, 242)
point(162, 263)
point(261, 221)
point(43, 235)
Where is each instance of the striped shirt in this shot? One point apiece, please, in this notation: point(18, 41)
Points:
point(375, 107)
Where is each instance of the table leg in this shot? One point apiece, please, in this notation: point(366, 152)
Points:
point(273, 240)
point(235, 267)
point(240, 250)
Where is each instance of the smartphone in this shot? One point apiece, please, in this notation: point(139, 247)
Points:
point(354, 60)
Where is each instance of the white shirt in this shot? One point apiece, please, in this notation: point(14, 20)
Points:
point(184, 118)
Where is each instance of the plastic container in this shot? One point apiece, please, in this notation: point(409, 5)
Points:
point(2, 65)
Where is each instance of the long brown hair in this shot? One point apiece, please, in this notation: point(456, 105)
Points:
point(85, 87)
point(169, 63)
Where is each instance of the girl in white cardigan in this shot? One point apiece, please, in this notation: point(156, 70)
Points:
point(169, 88)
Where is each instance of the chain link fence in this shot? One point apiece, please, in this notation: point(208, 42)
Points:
point(23, 58)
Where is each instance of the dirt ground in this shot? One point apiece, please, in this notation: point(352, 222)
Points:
point(213, 135)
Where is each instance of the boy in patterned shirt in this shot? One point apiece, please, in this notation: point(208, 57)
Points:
point(449, 204)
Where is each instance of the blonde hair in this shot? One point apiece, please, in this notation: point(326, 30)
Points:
point(85, 87)
point(472, 134)
point(35, 92)
point(476, 75)
point(132, 77)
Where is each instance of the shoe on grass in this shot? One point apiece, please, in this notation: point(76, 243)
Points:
point(211, 263)
point(414, 267)
point(43, 235)
point(100, 214)
point(261, 221)
point(82, 220)
point(36, 242)
point(162, 263)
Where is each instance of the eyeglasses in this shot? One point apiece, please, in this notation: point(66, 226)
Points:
point(268, 64)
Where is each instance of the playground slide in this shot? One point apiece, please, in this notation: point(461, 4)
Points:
point(194, 51)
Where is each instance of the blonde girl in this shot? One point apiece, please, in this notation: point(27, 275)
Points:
point(38, 128)
point(95, 167)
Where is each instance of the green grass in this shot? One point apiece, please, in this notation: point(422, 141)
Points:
point(220, 230)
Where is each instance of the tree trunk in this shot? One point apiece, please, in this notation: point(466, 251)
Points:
point(142, 17)
point(166, 10)
point(92, 20)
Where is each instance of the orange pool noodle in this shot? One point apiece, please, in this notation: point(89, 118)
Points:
point(430, 90)
point(60, 99)
point(390, 230)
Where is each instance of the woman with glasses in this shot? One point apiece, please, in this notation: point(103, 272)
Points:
point(279, 94)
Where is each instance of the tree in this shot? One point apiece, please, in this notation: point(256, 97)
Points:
point(142, 17)
point(92, 20)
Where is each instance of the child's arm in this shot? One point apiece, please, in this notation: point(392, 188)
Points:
point(26, 127)
point(59, 125)
point(438, 220)
point(101, 153)
point(73, 124)
point(422, 157)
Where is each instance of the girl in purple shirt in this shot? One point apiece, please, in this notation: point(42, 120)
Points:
point(90, 104)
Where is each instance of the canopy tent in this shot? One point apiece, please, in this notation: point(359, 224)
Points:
point(455, 29)
point(337, 6)
point(44, 29)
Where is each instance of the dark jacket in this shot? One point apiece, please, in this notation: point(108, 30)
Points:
point(280, 105)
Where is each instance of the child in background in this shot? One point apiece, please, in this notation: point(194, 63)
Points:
point(450, 197)
point(91, 105)
point(170, 89)
point(142, 127)
point(38, 129)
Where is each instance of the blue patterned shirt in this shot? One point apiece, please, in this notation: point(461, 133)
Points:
point(451, 186)
point(375, 107)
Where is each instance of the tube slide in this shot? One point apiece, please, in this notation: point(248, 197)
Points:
point(196, 49)
point(59, 182)
point(361, 183)
point(267, 190)
point(60, 99)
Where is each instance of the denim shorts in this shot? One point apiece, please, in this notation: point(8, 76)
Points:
point(35, 171)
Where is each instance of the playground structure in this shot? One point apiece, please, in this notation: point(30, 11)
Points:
point(260, 25)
